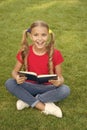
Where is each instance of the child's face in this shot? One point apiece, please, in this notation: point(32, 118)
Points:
point(39, 36)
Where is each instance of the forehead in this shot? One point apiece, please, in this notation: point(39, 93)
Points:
point(39, 29)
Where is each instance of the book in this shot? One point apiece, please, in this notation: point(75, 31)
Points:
point(38, 78)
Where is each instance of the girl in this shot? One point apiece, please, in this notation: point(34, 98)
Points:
point(42, 58)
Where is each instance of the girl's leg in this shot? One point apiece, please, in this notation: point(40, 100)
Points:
point(21, 91)
point(23, 94)
point(26, 91)
point(57, 94)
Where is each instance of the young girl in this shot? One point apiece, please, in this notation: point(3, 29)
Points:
point(42, 58)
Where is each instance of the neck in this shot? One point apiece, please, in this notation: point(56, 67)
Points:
point(39, 51)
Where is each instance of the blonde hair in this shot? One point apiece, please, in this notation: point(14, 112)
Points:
point(50, 45)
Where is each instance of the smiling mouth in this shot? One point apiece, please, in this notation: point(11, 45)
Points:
point(40, 43)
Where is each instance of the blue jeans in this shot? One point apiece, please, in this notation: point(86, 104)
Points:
point(34, 93)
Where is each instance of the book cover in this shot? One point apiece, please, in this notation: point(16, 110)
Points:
point(38, 78)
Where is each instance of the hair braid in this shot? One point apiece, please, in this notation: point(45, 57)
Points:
point(24, 49)
point(50, 54)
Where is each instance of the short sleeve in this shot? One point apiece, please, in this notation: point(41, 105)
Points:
point(57, 57)
point(19, 58)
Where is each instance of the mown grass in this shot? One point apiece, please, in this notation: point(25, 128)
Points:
point(68, 20)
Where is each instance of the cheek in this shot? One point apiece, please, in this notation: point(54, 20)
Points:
point(33, 38)
point(46, 38)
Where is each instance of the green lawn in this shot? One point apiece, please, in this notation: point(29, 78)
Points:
point(68, 20)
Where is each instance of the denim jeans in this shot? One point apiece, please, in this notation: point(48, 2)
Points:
point(33, 93)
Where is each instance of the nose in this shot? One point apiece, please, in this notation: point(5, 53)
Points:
point(39, 37)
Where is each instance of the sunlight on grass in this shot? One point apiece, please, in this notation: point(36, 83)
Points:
point(3, 2)
point(52, 3)
point(42, 6)
point(71, 1)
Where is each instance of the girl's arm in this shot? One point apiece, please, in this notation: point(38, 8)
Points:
point(15, 75)
point(60, 80)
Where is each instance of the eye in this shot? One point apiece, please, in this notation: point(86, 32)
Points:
point(36, 34)
point(44, 34)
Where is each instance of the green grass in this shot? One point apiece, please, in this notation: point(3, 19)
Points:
point(68, 20)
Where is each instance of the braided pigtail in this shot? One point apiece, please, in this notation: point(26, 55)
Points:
point(50, 49)
point(24, 49)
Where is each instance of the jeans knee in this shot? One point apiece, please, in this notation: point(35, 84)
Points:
point(66, 90)
point(8, 84)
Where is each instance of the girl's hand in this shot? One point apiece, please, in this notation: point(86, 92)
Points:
point(20, 80)
point(57, 82)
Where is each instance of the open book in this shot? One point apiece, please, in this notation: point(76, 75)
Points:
point(38, 78)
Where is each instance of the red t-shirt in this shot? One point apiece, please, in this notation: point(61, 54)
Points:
point(39, 64)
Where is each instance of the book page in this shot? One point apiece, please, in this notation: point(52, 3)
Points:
point(25, 72)
point(47, 75)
